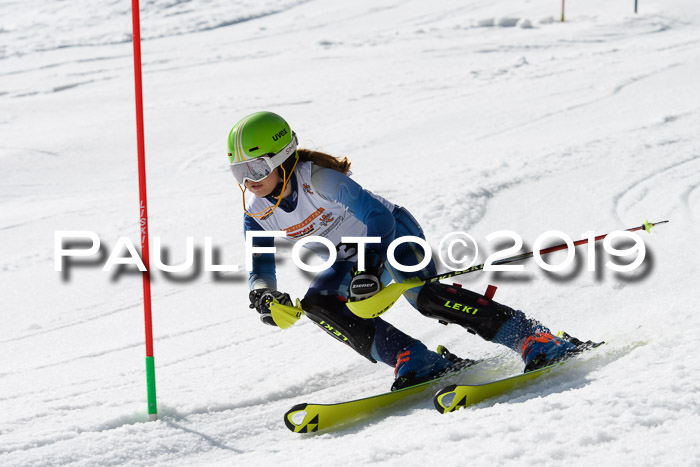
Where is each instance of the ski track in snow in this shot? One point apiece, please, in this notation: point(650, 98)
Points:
point(477, 116)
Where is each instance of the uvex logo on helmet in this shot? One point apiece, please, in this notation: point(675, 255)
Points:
point(277, 136)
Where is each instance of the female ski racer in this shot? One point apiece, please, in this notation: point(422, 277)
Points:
point(304, 193)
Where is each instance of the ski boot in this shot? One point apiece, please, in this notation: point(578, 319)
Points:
point(416, 364)
point(458, 363)
point(543, 349)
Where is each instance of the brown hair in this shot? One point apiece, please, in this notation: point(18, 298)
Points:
point(341, 164)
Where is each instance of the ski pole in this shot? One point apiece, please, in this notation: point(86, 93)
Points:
point(380, 302)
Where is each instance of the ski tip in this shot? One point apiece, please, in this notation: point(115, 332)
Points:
point(444, 399)
point(294, 419)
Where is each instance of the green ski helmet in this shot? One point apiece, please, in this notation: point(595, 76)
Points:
point(260, 143)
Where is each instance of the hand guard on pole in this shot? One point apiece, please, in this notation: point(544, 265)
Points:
point(261, 299)
point(368, 282)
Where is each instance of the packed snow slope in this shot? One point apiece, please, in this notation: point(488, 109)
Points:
point(477, 116)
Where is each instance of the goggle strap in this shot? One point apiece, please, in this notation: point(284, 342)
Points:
point(270, 209)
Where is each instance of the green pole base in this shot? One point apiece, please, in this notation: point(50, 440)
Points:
point(151, 388)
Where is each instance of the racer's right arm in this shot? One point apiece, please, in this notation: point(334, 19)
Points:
point(263, 275)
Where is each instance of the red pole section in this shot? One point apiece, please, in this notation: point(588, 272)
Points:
point(143, 211)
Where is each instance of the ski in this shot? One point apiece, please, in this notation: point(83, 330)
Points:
point(457, 396)
point(311, 418)
point(308, 418)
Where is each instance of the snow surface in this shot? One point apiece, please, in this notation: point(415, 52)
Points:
point(477, 116)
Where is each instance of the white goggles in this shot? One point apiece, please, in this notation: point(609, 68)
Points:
point(262, 166)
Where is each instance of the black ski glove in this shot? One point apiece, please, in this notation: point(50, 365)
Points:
point(366, 283)
point(260, 299)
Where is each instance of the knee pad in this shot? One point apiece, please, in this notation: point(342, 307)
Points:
point(453, 304)
point(331, 315)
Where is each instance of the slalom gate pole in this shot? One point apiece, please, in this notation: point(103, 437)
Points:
point(143, 212)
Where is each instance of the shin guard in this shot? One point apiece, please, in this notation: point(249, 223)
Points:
point(331, 315)
point(453, 304)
